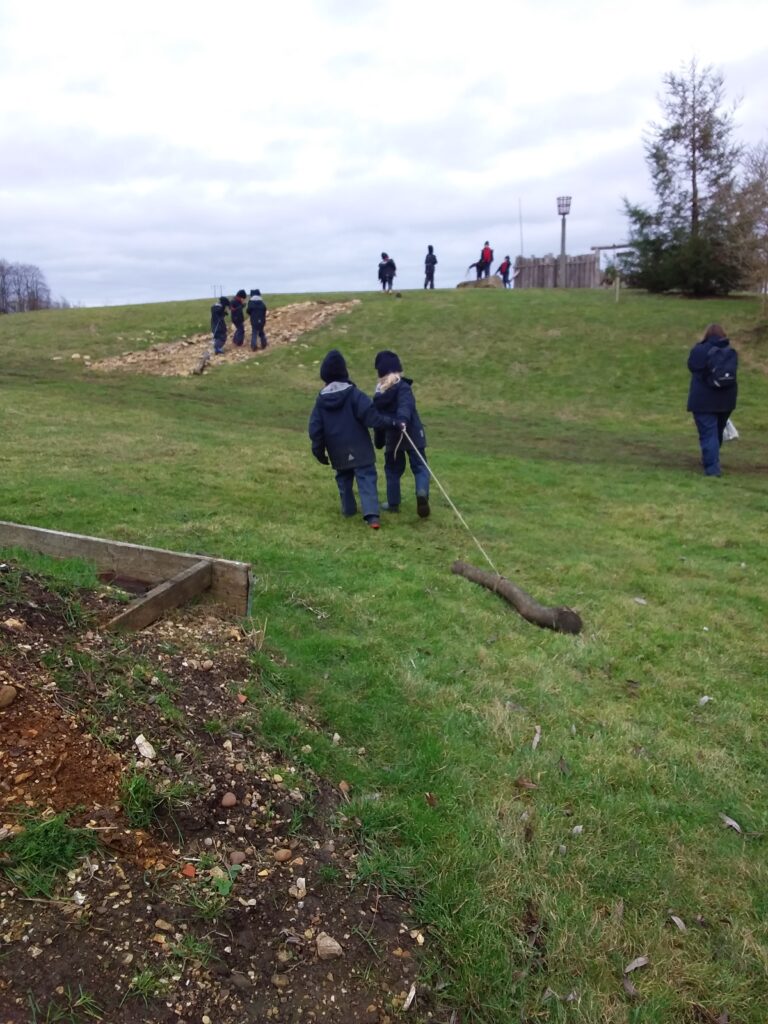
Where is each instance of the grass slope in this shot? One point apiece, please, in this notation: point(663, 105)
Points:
point(556, 421)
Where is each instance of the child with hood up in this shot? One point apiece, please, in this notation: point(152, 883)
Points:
point(219, 324)
point(338, 431)
point(394, 397)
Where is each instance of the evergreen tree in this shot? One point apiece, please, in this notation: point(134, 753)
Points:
point(689, 242)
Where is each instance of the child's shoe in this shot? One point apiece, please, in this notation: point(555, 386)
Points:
point(422, 505)
point(373, 522)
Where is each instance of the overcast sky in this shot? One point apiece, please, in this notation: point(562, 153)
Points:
point(153, 150)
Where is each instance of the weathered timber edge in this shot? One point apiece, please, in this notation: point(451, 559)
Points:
point(189, 583)
point(230, 581)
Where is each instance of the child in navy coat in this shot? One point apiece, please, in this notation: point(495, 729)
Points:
point(338, 431)
point(394, 397)
point(219, 324)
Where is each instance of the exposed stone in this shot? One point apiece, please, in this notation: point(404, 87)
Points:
point(8, 695)
point(327, 947)
point(228, 800)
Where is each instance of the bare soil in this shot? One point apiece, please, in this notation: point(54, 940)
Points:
point(180, 358)
point(212, 914)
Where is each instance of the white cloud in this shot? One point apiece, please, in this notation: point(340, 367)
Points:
point(152, 148)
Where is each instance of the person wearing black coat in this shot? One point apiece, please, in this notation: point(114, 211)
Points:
point(430, 262)
point(387, 271)
point(219, 324)
point(238, 318)
point(394, 398)
point(257, 314)
point(712, 393)
point(338, 432)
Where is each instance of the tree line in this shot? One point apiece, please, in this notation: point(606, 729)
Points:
point(707, 233)
point(23, 288)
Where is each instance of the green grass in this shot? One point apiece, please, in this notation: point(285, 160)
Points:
point(35, 858)
point(72, 1008)
point(147, 804)
point(557, 423)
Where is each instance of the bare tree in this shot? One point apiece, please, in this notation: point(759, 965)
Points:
point(23, 288)
point(754, 217)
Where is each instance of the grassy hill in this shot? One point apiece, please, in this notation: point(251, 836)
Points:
point(557, 423)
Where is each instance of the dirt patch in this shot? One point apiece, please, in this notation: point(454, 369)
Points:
point(220, 908)
point(181, 358)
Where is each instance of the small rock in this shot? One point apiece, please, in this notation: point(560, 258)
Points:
point(227, 744)
point(336, 739)
point(189, 871)
point(240, 980)
point(327, 947)
point(306, 749)
point(281, 856)
point(145, 748)
point(163, 926)
point(228, 800)
point(207, 665)
point(15, 625)
point(281, 980)
point(237, 857)
point(8, 695)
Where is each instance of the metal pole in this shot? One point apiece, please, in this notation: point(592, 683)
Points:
point(563, 282)
point(520, 217)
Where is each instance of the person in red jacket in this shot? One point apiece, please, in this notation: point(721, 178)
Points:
point(486, 258)
point(503, 270)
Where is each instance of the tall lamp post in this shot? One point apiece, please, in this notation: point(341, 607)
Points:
point(563, 208)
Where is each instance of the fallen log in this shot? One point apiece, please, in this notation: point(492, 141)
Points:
point(562, 620)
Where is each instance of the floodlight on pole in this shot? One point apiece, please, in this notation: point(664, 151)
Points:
point(563, 209)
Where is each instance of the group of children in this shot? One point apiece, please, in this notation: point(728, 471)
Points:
point(388, 268)
point(339, 431)
point(257, 313)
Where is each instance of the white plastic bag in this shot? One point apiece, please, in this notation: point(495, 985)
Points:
point(730, 433)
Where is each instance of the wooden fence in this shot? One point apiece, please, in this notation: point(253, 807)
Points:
point(544, 271)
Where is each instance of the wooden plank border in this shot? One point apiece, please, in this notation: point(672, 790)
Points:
point(182, 588)
point(230, 581)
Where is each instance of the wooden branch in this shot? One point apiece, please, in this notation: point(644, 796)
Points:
point(230, 586)
point(177, 591)
point(563, 620)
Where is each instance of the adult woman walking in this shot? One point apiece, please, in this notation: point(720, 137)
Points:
point(712, 394)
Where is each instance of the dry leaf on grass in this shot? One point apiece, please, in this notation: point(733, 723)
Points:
point(629, 988)
point(523, 783)
point(678, 922)
point(639, 961)
point(730, 823)
point(536, 737)
point(410, 997)
point(565, 768)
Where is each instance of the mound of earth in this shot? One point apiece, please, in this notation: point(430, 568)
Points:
point(484, 282)
point(237, 902)
point(181, 358)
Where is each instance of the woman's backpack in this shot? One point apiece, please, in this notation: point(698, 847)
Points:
point(720, 370)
